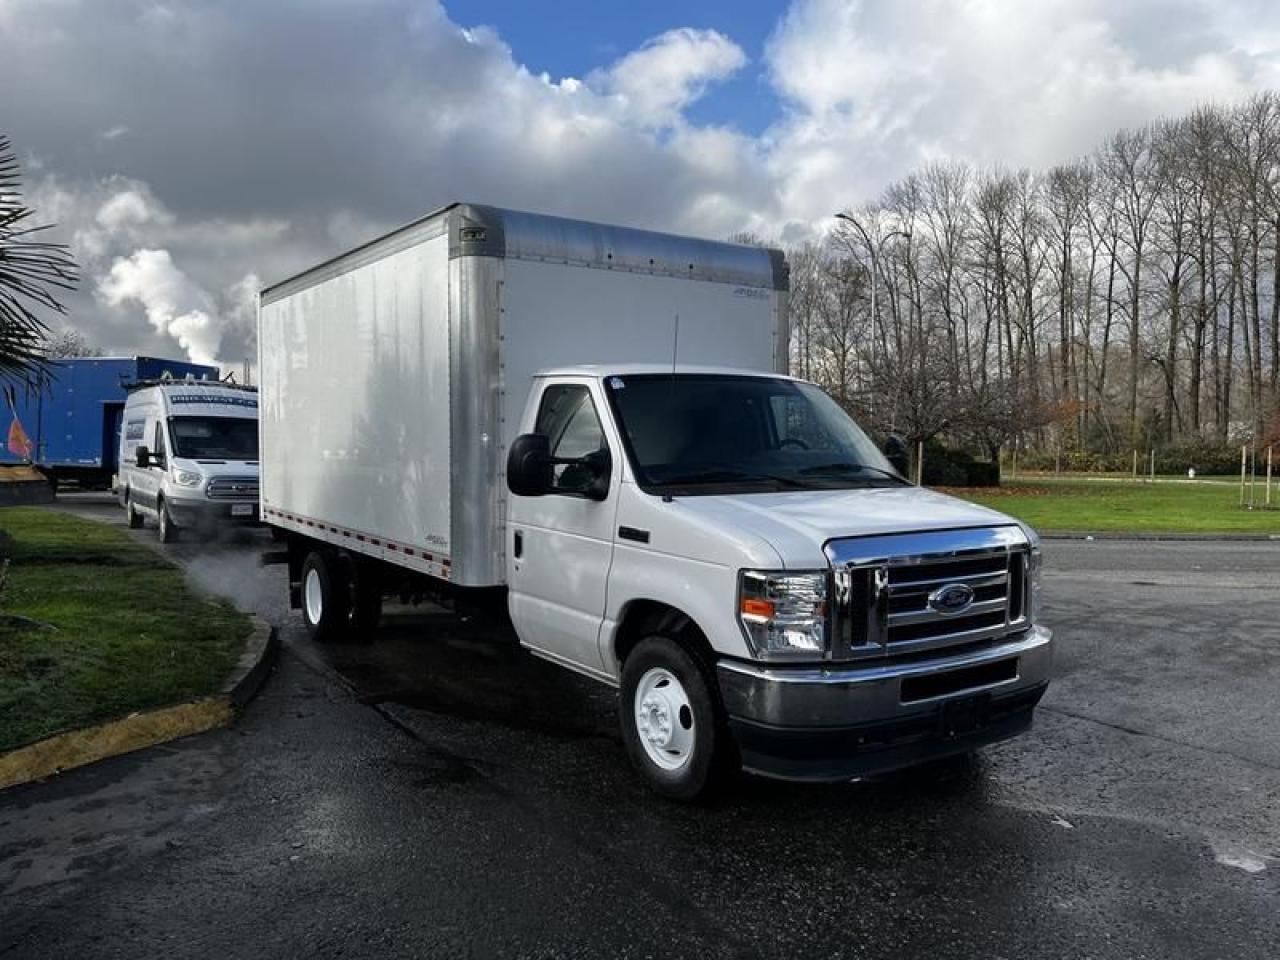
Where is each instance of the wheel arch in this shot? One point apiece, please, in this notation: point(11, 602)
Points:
point(643, 617)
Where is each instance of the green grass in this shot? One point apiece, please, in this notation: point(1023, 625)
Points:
point(121, 629)
point(1050, 504)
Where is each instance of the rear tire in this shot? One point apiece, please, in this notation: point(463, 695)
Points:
point(326, 597)
point(168, 532)
point(673, 725)
point(132, 517)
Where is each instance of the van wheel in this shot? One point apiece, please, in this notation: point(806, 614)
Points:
point(326, 603)
point(132, 516)
point(168, 532)
point(673, 725)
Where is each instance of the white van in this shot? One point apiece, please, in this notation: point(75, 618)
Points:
point(189, 455)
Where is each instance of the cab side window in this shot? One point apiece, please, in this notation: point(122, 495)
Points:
point(567, 417)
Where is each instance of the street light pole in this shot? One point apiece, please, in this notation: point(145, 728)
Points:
point(875, 282)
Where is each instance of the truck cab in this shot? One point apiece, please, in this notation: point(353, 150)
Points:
point(189, 456)
point(730, 550)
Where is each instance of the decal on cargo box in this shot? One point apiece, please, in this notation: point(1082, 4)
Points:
point(214, 398)
point(135, 429)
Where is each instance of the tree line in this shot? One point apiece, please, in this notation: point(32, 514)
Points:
point(1126, 300)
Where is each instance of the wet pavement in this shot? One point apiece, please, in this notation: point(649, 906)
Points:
point(437, 792)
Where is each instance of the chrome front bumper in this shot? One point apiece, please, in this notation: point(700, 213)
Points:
point(835, 723)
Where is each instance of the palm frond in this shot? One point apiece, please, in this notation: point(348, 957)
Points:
point(32, 273)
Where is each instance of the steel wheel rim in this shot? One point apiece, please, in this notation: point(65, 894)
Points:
point(664, 719)
point(313, 596)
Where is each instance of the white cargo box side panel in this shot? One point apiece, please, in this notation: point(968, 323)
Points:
point(355, 408)
point(557, 315)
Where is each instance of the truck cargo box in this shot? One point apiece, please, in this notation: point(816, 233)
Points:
point(393, 377)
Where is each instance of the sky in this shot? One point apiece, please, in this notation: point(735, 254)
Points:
point(192, 152)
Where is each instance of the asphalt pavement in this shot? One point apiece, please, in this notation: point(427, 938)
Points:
point(436, 792)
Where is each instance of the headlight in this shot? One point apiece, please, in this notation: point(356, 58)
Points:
point(784, 615)
point(187, 478)
point(1035, 562)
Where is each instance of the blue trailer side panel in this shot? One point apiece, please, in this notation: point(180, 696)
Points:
point(73, 419)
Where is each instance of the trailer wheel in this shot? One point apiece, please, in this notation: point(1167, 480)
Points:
point(326, 603)
point(672, 722)
point(168, 532)
point(132, 516)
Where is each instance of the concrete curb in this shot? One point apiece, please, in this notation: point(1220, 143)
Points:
point(65, 751)
point(1174, 537)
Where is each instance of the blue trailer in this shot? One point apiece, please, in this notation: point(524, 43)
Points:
point(73, 417)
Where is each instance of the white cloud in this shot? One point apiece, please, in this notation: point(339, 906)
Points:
point(878, 87)
point(671, 71)
point(174, 305)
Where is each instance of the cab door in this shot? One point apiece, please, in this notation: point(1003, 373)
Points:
point(150, 479)
point(560, 546)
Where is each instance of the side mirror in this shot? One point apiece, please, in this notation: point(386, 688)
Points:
point(529, 465)
point(895, 451)
point(600, 464)
point(141, 455)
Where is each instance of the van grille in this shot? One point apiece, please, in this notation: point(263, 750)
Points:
point(888, 592)
point(232, 488)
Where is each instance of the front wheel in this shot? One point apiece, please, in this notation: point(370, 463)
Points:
point(168, 532)
point(132, 516)
point(672, 723)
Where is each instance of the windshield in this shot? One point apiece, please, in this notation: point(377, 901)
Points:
point(214, 438)
point(711, 433)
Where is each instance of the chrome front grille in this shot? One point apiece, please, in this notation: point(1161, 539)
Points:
point(232, 488)
point(889, 593)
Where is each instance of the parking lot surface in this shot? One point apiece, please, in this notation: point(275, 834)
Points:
point(437, 792)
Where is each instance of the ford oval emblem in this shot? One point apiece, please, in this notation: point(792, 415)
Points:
point(952, 598)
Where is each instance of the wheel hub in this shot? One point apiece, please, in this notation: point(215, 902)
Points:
point(664, 719)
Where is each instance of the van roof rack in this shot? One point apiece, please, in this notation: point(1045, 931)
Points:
point(166, 380)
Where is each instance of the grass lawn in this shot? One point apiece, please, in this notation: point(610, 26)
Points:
point(118, 629)
point(1052, 504)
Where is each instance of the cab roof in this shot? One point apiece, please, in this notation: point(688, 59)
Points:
point(600, 370)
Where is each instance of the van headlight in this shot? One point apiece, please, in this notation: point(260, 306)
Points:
point(187, 478)
point(784, 614)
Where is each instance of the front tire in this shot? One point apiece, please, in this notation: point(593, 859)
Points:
point(168, 532)
point(132, 517)
point(326, 599)
point(673, 725)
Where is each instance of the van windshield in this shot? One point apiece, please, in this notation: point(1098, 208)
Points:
point(713, 433)
point(214, 438)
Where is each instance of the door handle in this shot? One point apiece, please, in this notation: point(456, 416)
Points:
point(517, 544)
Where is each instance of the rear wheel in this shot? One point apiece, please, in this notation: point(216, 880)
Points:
point(326, 596)
point(168, 532)
point(132, 516)
point(672, 722)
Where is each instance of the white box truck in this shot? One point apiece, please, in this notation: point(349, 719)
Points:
point(595, 423)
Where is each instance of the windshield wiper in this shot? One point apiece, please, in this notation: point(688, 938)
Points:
point(847, 467)
point(730, 476)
